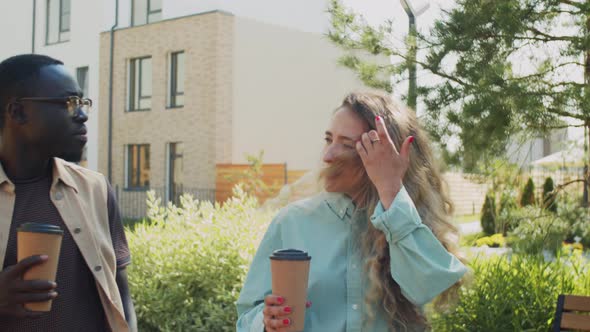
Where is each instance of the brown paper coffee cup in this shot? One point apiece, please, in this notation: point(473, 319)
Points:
point(39, 239)
point(290, 273)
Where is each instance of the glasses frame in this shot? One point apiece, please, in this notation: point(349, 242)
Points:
point(73, 103)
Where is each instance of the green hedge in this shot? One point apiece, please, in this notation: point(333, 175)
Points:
point(488, 214)
point(189, 264)
point(517, 294)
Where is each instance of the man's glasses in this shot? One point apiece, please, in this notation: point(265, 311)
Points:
point(73, 103)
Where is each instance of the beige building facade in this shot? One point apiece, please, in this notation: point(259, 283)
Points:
point(193, 92)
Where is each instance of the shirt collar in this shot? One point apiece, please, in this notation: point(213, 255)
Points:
point(61, 174)
point(340, 204)
point(4, 179)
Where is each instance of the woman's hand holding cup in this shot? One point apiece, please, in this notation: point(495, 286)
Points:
point(276, 314)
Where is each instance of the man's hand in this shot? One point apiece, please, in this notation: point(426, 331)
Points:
point(14, 292)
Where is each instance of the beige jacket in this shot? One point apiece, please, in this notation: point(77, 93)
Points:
point(80, 196)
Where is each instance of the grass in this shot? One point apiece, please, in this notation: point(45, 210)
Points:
point(466, 218)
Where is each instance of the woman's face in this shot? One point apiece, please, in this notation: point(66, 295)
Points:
point(343, 167)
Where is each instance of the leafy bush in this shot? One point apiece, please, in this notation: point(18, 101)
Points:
point(494, 241)
point(488, 214)
point(508, 204)
point(537, 230)
point(528, 194)
point(578, 220)
point(513, 294)
point(549, 197)
point(189, 263)
point(469, 240)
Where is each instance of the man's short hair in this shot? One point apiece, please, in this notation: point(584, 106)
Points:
point(16, 75)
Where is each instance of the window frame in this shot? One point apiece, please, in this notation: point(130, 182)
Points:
point(173, 92)
point(132, 89)
point(61, 32)
point(148, 12)
point(86, 70)
point(128, 167)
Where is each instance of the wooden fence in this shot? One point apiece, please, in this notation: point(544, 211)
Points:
point(274, 176)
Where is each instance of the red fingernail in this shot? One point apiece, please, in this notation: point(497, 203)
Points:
point(281, 300)
point(411, 139)
point(286, 321)
point(287, 309)
point(377, 118)
point(308, 304)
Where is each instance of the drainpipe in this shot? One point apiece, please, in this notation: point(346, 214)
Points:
point(110, 119)
point(33, 27)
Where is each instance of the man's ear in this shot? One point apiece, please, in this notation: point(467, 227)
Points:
point(15, 112)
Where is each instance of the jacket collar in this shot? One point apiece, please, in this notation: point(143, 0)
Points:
point(59, 174)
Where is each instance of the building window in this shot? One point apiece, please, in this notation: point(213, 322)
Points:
point(140, 84)
point(138, 166)
point(146, 11)
point(57, 21)
point(175, 172)
point(176, 90)
point(82, 77)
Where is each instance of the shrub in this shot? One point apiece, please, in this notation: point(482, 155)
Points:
point(537, 230)
point(578, 220)
point(508, 204)
point(528, 194)
point(549, 197)
point(513, 294)
point(494, 241)
point(488, 215)
point(189, 263)
point(469, 240)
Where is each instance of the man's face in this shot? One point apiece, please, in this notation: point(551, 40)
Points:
point(49, 127)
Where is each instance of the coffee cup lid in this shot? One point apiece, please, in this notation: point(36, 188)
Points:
point(33, 227)
point(290, 255)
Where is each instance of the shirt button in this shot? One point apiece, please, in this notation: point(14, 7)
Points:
point(77, 230)
point(97, 268)
point(355, 307)
point(59, 196)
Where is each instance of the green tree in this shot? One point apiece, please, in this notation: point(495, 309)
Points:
point(485, 94)
point(528, 194)
point(488, 214)
point(549, 196)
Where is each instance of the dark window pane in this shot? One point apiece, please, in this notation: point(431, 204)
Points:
point(176, 79)
point(140, 84)
point(138, 160)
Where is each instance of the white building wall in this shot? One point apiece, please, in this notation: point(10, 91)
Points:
point(286, 86)
point(87, 20)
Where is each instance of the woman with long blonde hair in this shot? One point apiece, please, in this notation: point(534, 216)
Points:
point(380, 233)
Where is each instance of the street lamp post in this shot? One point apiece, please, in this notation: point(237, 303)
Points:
point(412, 49)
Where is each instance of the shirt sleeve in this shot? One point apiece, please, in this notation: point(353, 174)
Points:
point(420, 264)
point(120, 246)
point(258, 282)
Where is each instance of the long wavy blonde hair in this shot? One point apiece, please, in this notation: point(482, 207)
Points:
point(428, 191)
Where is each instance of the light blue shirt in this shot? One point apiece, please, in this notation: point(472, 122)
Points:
point(327, 226)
